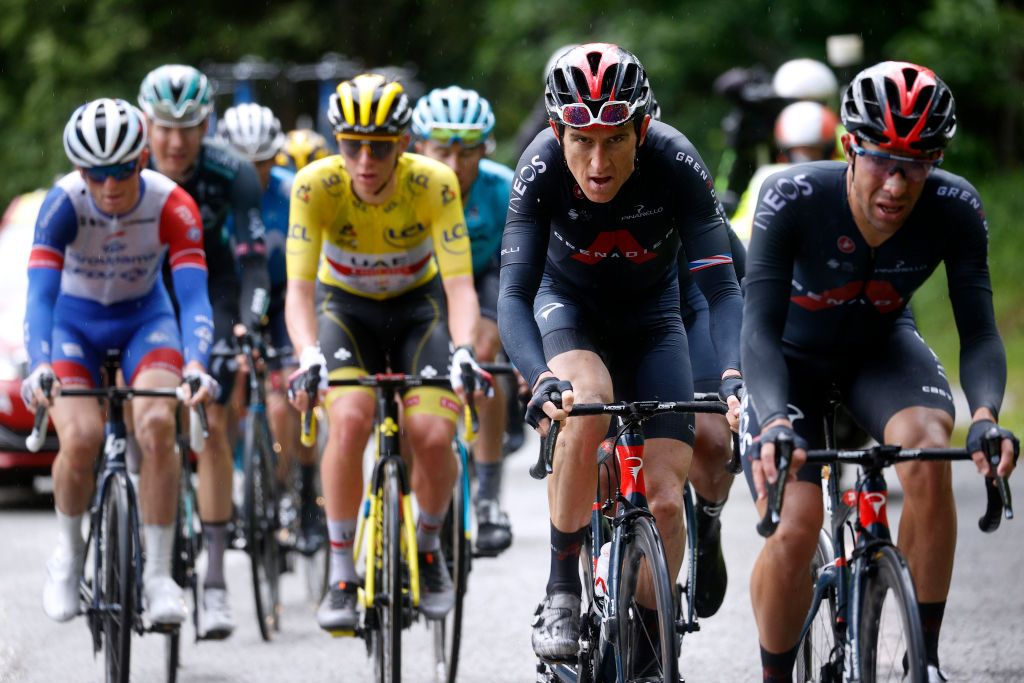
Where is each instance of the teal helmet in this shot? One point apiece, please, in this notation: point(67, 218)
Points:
point(176, 95)
point(453, 114)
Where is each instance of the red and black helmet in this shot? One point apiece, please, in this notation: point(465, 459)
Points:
point(594, 74)
point(900, 107)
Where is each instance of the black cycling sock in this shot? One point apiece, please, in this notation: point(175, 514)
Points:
point(778, 667)
point(215, 536)
point(488, 477)
point(709, 510)
point(931, 624)
point(307, 480)
point(564, 576)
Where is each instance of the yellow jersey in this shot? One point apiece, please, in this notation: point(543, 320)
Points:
point(378, 251)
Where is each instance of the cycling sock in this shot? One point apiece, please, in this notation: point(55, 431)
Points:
point(342, 533)
point(216, 538)
point(778, 667)
point(710, 510)
point(159, 540)
point(70, 533)
point(428, 531)
point(931, 624)
point(307, 480)
point(564, 576)
point(488, 477)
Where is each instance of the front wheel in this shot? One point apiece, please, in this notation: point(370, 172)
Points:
point(261, 523)
point(891, 637)
point(455, 544)
point(815, 658)
point(389, 602)
point(647, 636)
point(116, 583)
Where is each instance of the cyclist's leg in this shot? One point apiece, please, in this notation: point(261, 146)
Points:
point(902, 396)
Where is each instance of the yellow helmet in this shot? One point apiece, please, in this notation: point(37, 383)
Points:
point(301, 147)
point(369, 104)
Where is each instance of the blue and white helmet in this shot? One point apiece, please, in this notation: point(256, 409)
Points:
point(104, 132)
point(176, 96)
point(453, 114)
point(253, 130)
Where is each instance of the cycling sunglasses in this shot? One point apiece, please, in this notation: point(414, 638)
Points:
point(449, 135)
point(611, 113)
point(380, 148)
point(119, 172)
point(883, 164)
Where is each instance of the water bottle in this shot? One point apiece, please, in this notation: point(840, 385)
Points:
point(601, 571)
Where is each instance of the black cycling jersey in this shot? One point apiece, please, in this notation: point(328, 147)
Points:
point(224, 184)
point(616, 253)
point(816, 292)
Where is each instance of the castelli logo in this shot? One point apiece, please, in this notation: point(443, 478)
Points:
point(846, 245)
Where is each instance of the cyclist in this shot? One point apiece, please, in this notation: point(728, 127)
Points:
point(377, 244)
point(301, 147)
point(590, 301)
point(177, 102)
point(255, 133)
point(94, 285)
point(838, 250)
point(454, 126)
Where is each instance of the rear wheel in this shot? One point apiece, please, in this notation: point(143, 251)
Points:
point(455, 544)
point(647, 637)
point(116, 583)
point(814, 658)
point(891, 637)
point(261, 523)
point(386, 642)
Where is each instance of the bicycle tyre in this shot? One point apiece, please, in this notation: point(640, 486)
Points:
point(688, 591)
point(116, 585)
point(814, 655)
point(634, 637)
point(389, 600)
point(881, 652)
point(455, 545)
point(588, 662)
point(260, 510)
point(187, 546)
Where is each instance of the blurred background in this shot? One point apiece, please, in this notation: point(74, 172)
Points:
point(54, 56)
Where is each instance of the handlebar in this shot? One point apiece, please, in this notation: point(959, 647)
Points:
point(35, 440)
point(469, 383)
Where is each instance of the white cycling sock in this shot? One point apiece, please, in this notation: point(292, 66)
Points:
point(159, 544)
point(69, 529)
point(342, 533)
point(428, 531)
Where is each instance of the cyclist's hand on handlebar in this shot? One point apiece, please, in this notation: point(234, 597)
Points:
point(209, 388)
point(484, 380)
point(32, 387)
point(552, 399)
point(764, 467)
point(1009, 448)
point(731, 391)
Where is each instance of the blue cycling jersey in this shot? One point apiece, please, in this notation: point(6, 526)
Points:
point(485, 208)
point(274, 208)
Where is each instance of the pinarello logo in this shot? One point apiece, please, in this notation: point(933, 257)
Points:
point(846, 244)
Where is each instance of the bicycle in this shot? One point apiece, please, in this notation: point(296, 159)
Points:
point(611, 628)
point(112, 594)
point(852, 631)
point(260, 521)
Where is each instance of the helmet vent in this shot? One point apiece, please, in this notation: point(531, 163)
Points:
point(594, 60)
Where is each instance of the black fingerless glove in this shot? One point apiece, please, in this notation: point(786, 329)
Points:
point(549, 389)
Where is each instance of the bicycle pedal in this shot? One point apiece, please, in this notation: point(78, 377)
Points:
point(683, 627)
point(165, 629)
point(351, 633)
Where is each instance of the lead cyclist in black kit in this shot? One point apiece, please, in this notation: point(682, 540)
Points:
point(589, 305)
point(838, 248)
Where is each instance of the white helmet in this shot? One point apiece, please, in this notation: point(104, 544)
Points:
point(805, 124)
point(104, 132)
point(805, 79)
point(252, 130)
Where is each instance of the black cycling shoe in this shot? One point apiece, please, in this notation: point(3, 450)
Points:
point(712, 577)
point(493, 530)
point(312, 528)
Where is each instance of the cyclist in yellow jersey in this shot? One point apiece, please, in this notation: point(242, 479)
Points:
point(378, 261)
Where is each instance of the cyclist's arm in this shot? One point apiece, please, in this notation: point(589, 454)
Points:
point(250, 246)
point(306, 216)
point(56, 227)
point(454, 261)
point(181, 229)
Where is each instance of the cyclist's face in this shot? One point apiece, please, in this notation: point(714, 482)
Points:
point(372, 176)
point(175, 150)
point(116, 197)
point(465, 161)
point(880, 204)
point(600, 158)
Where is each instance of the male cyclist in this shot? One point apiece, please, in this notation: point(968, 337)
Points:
point(454, 126)
point(589, 305)
point(378, 262)
point(301, 147)
point(838, 250)
point(256, 134)
point(95, 285)
point(177, 102)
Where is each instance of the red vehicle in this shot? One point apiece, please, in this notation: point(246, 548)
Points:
point(17, 465)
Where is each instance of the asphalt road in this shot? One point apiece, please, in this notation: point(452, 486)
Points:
point(980, 640)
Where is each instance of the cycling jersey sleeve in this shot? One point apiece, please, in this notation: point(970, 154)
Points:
point(523, 254)
point(250, 246)
point(982, 356)
point(448, 226)
point(766, 304)
point(181, 230)
point(56, 227)
point(306, 219)
point(739, 255)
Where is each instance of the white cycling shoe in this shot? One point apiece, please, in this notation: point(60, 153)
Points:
point(215, 619)
point(165, 601)
point(61, 600)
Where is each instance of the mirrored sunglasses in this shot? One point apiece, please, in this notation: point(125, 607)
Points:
point(99, 174)
point(380, 148)
point(611, 113)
